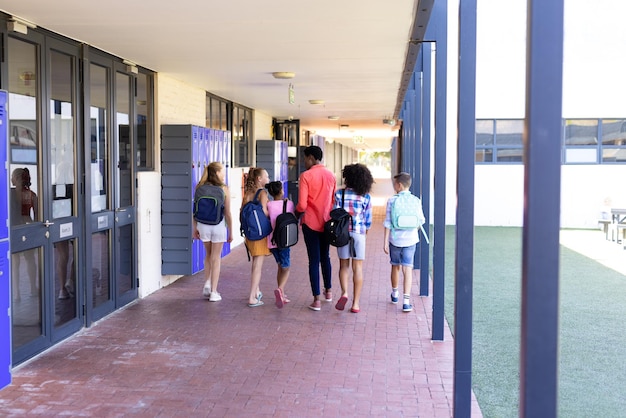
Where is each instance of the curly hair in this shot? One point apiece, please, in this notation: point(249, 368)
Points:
point(253, 173)
point(209, 175)
point(359, 178)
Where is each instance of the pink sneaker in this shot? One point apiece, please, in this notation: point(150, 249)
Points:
point(316, 305)
point(328, 295)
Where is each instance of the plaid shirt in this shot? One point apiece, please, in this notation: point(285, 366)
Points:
point(360, 207)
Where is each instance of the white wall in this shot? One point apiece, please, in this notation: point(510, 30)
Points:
point(178, 103)
point(149, 231)
point(593, 86)
point(175, 103)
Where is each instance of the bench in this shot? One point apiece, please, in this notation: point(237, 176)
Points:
point(606, 227)
point(620, 233)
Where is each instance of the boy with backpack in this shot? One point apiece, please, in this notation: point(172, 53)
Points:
point(403, 218)
point(284, 235)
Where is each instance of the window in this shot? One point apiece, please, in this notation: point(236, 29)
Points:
point(613, 134)
point(580, 137)
point(499, 140)
point(144, 121)
point(585, 141)
point(242, 135)
point(228, 116)
point(217, 114)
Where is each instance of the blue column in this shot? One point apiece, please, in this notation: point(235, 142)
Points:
point(464, 239)
point(540, 236)
point(416, 155)
point(425, 165)
point(439, 21)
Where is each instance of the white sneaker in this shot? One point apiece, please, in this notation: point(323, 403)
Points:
point(206, 291)
point(215, 297)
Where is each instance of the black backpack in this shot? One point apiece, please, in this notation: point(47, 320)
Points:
point(208, 204)
point(286, 229)
point(255, 225)
point(337, 228)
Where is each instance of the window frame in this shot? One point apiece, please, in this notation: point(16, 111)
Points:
point(599, 147)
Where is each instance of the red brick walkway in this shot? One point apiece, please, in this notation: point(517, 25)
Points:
point(174, 354)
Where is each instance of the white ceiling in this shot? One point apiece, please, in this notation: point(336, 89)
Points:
point(349, 53)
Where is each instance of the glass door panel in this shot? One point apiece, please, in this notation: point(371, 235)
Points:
point(124, 149)
point(62, 138)
point(100, 149)
point(125, 196)
point(66, 228)
point(28, 237)
point(26, 303)
point(65, 259)
point(100, 275)
point(100, 292)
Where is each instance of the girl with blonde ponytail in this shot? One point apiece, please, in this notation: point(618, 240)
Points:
point(257, 179)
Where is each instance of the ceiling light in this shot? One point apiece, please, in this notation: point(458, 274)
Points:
point(283, 75)
point(333, 117)
point(316, 102)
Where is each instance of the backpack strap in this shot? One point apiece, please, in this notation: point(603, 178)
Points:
point(353, 224)
point(256, 195)
point(285, 205)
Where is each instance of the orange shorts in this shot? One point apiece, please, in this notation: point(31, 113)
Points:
point(258, 247)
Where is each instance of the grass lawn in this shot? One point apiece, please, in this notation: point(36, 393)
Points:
point(592, 337)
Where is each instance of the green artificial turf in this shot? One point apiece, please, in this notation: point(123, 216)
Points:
point(592, 342)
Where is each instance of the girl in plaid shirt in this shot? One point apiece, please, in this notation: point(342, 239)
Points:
point(358, 182)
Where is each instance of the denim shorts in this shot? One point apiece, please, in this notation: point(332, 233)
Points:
point(401, 256)
point(282, 256)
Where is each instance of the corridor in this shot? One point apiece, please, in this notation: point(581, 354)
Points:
point(174, 354)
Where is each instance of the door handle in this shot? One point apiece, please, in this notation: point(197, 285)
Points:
point(120, 210)
point(48, 223)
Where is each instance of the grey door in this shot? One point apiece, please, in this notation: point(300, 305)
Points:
point(45, 206)
point(110, 185)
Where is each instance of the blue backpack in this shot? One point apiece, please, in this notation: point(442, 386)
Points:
point(208, 204)
point(255, 225)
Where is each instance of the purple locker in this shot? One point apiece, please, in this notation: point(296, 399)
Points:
point(198, 256)
point(201, 151)
point(218, 145)
point(225, 159)
point(212, 148)
point(5, 318)
point(206, 149)
point(195, 151)
point(227, 145)
point(4, 174)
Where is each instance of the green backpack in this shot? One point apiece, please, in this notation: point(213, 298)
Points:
point(406, 211)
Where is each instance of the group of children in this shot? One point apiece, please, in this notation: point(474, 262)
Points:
point(400, 240)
